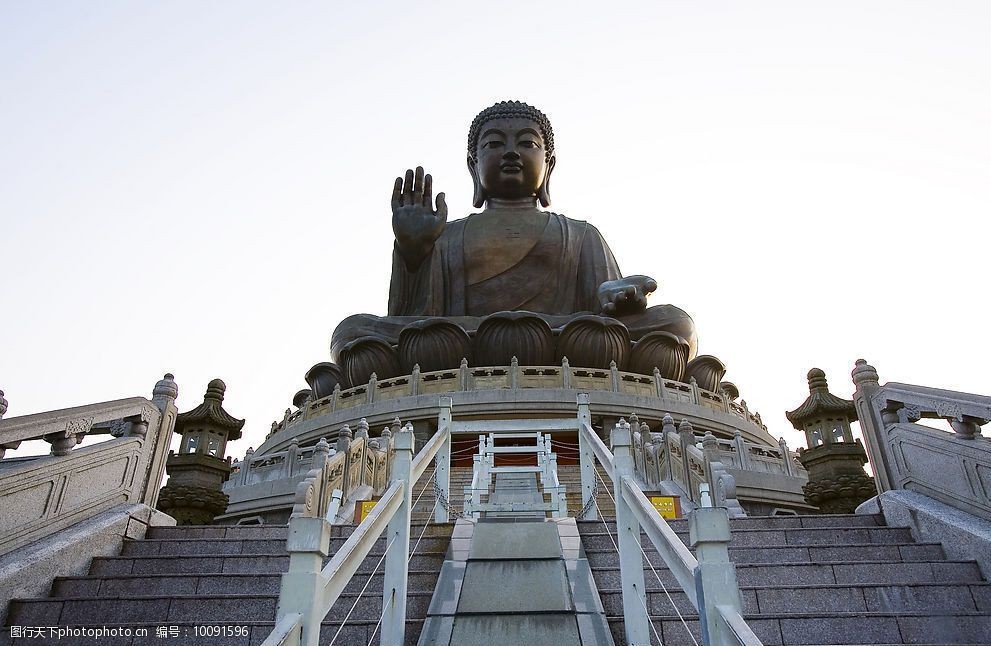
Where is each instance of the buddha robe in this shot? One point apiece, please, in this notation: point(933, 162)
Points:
point(560, 274)
point(557, 277)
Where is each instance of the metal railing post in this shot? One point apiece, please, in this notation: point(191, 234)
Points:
point(443, 459)
point(396, 559)
point(586, 458)
point(715, 576)
point(302, 587)
point(628, 539)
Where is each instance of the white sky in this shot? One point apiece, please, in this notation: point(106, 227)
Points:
point(203, 188)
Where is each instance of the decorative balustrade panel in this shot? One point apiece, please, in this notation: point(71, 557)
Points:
point(354, 452)
point(677, 460)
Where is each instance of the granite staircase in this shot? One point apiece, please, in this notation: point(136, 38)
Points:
point(815, 580)
point(217, 576)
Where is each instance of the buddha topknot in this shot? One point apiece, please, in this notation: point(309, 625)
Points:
point(510, 110)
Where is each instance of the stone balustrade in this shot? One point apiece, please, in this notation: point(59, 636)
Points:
point(355, 461)
point(515, 376)
point(41, 495)
point(952, 466)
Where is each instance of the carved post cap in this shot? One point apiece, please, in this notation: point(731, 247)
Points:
point(346, 432)
point(3, 405)
point(322, 445)
point(404, 440)
point(709, 525)
point(685, 426)
point(864, 373)
point(166, 387)
point(620, 435)
point(583, 399)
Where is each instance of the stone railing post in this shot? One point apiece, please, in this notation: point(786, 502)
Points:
point(665, 470)
point(659, 387)
point(463, 375)
point(865, 379)
point(514, 373)
point(741, 449)
point(292, 455)
point(414, 380)
point(344, 438)
point(565, 373)
point(373, 381)
point(163, 397)
point(586, 458)
point(628, 540)
point(443, 458)
point(696, 396)
point(715, 576)
point(614, 376)
point(789, 464)
point(396, 572)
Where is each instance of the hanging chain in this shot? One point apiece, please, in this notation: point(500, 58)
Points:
point(442, 499)
point(588, 505)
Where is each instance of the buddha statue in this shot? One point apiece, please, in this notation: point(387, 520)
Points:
point(511, 278)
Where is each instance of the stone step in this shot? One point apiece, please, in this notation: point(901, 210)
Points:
point(226, 609)
point(198, 634)
point(832, 536)
point(138, 585)
point(845, 628)
point(824, 600)
point(199, 546)
point(771, 522)
point(846, 572)
point(891, 552)
point(271, 532)
point(236, 564)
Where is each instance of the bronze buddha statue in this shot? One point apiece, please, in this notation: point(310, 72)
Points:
point(511, 261)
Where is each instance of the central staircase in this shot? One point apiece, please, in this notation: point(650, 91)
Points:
point(803, 579)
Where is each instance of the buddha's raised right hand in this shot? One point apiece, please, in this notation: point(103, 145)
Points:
point(414, 221)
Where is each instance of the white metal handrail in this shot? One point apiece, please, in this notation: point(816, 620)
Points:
point(309, 591)
point(677, 557)
point(708, 581)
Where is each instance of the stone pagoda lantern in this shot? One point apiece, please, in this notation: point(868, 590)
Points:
point(837, 480)
point(193, 495)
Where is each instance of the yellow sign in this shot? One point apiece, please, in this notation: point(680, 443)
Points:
point(366, 507)
point(667, 506)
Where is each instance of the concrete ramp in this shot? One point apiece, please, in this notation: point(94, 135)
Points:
point(515, 579)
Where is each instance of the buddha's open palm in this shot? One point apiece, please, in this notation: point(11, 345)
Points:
point(415, 222)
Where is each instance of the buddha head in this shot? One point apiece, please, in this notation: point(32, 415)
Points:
point(511, 153)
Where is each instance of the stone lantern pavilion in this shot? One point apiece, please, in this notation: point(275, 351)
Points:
point(193, 494)
point(837, 480)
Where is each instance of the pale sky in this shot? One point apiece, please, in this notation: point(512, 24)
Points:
point(203, 188)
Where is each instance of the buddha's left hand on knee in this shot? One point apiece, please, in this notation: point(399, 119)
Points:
point(625, 295)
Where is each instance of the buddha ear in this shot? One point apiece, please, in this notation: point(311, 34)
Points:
point(544, 192)
point(478, 198)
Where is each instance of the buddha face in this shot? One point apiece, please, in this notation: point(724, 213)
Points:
point(511, 161)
